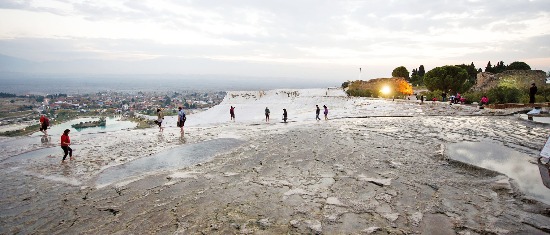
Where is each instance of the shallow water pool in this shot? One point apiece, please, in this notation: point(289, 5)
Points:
point(179, 157)
point(536, 119)
point(113, 124)
point(505, 160)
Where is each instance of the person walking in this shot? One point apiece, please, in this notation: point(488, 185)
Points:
point(44, 124)
point(65, 142)
point(266, 114)
point(285, 115)
point(160, 118)
point(532, 93)
point(325, 112)
point(232, 113)
point(181, 119)
point(317, 111)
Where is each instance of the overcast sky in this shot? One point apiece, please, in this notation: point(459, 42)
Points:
point(289, 38)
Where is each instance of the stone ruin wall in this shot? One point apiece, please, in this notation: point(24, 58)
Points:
point(523, 78)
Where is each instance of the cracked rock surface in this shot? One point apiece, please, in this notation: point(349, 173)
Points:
point(386, 175)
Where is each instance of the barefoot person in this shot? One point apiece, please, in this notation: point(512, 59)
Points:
point(232, 113)
point(44, 123)
point(181, 119)
point(160, 118)
point(317, 111)
point(65, 142)
point(266, 114)
point(325, 112)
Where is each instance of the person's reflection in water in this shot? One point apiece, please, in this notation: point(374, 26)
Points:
point(45, 139)
point(544, 169)
point(66, 170)
point(182, 139)
point(160, 137)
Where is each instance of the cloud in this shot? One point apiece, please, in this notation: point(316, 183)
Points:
point(297, 34)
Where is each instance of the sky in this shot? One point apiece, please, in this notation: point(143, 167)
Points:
point(322, 39)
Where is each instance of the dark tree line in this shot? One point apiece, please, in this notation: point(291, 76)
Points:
point(500, 67)
point(6, 95)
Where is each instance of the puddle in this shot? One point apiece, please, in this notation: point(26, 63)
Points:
point(36, 155)
point(172, 159)
point(536, 119)
point(53, 155)
point(113, 124)
point(502, 159)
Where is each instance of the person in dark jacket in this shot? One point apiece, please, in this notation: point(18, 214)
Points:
point(532, 93)
point(317, 111)
point(285, 115)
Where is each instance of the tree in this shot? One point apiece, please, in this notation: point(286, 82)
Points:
point(402, 72)
point(446, 78)
point(499, 68)
point(417, 77)
point(489, 67)
point(517, 65)
point(472, 75)
point(471, 70)
point(421, 71)
point(345, 85)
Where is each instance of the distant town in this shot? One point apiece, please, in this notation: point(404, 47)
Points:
point(24, 110)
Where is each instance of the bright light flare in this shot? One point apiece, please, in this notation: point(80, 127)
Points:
point(386, 90)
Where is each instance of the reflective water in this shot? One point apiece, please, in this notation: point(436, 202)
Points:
point(175, 158)
point(51, 154)
point(113, 124)
point(37, 155)
point(536, 119)
point(505, 160)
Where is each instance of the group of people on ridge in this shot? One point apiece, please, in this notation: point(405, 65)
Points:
point(285, 113)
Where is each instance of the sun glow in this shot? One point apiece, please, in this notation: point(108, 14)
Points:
point(386, 90)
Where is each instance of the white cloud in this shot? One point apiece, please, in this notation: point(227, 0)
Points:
point(307, 33)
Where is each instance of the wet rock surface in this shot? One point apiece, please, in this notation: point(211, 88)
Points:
point(386, 175)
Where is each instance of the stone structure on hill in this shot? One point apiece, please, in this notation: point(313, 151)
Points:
point(515, 78)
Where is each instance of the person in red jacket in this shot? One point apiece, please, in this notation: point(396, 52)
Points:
point(65, 142)
point(44, 123)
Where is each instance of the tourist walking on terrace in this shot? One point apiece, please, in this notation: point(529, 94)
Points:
point(266, 114)
point(317, 111)
point(160, 118)
point(532, 93)
point(44, 123)
point(181, 119)
point(284, 115)
point(65, 142)
point(325, 112)
point(232, 113)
